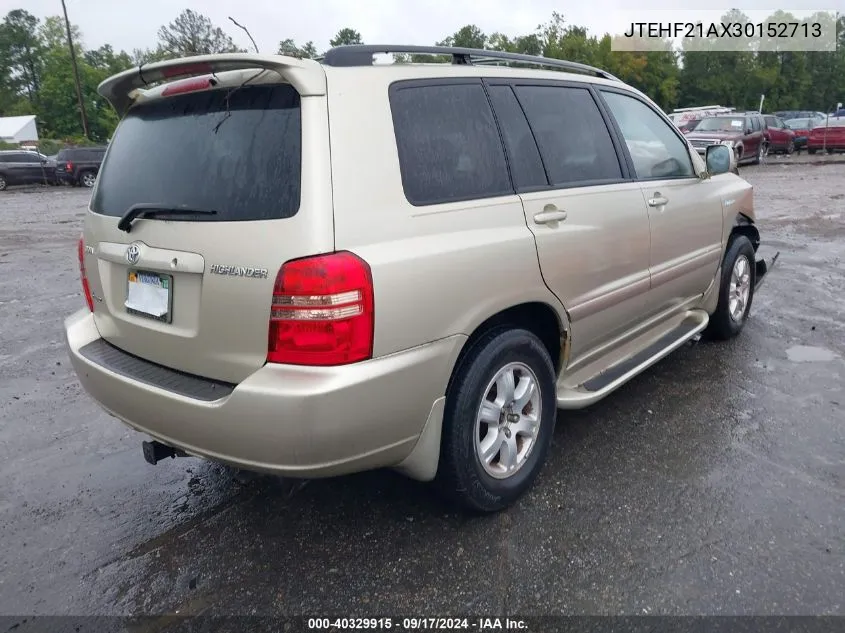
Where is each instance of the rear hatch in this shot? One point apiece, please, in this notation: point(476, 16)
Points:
point(219, 172)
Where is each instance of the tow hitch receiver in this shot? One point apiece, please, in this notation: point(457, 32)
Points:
point(762, 268)
point(154, 452)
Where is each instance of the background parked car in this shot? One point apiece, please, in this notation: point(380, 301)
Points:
point(801, 128)
point(800, 114)
point(743, 132)
point(829, 136)
point(79, 165)
point(780, 137)
point(19, 167)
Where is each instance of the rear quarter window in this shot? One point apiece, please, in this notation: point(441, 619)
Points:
point(448, 143)
point(237, 152)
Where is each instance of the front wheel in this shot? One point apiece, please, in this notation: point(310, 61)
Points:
point(762, 151)
point(736, 290)
point(500, 415)
point(791, 147)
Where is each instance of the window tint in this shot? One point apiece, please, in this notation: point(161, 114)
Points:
point(654, 146)
point(523, 155)
point(573, 138)
point(235, 152)
point(17, 157)
point(448, 143)
point(755, 124)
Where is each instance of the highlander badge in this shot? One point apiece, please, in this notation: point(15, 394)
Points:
point(238, 271)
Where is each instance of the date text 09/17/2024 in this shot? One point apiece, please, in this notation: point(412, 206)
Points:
point(418, 624)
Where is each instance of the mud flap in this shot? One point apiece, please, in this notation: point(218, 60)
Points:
point(762, 268)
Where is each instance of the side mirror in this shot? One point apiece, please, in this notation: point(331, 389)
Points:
point(719, 159)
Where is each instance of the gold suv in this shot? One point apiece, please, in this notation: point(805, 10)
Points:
point(312, 268)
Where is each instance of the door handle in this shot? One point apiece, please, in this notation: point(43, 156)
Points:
point(657, 201)
point(549, 216)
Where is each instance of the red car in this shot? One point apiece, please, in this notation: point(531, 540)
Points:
point(780, 137)
point(801, 128)
point(829, 135)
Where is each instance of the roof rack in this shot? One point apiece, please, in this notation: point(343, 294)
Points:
point(362, 55)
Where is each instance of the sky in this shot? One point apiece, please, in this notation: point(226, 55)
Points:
point(130, 24)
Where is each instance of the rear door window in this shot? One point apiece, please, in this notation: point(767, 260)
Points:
point(237, 152)
point(523, 155)
point(448, 143)
point(574, 141)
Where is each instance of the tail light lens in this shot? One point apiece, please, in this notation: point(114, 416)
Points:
point(322, 311)
point(69, 166)
point(86, 288)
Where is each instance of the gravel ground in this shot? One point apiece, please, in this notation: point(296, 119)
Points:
point(713, 484)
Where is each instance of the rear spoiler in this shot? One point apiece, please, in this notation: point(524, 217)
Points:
point(307, 76)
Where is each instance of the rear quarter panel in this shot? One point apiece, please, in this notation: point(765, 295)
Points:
point(438, 270)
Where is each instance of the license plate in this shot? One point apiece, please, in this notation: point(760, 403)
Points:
point(149, 295)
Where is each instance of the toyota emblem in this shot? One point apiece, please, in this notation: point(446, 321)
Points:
point(133, 253)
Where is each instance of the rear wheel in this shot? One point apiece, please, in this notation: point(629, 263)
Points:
point(2, 183)
point(736, 290)
point(499, 419)
point(762, 151)
point(791, 147)
point(88, 179)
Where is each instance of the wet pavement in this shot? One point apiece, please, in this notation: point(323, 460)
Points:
point(713, 484)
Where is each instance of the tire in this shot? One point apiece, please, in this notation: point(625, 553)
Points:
point(725, 324)
point(762, 150)
point(87, 179)
point(461, 475)
point(791, 147)
point(2, 182)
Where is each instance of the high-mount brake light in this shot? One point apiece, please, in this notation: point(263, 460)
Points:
point(322, 311)
point(187, 85)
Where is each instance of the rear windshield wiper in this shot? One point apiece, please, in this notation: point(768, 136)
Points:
point(151, 209)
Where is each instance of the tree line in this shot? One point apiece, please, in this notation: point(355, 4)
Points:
point(36, 74)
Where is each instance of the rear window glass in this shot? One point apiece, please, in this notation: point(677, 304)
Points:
point(237, 152)
point(448, 143)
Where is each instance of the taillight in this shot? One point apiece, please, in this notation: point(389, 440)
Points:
point(86, 288)
point(322, 311)
point(69, 166)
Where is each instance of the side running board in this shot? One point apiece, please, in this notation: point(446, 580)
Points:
point(597, 387)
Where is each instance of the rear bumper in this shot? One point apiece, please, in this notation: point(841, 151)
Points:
point(287, 420)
